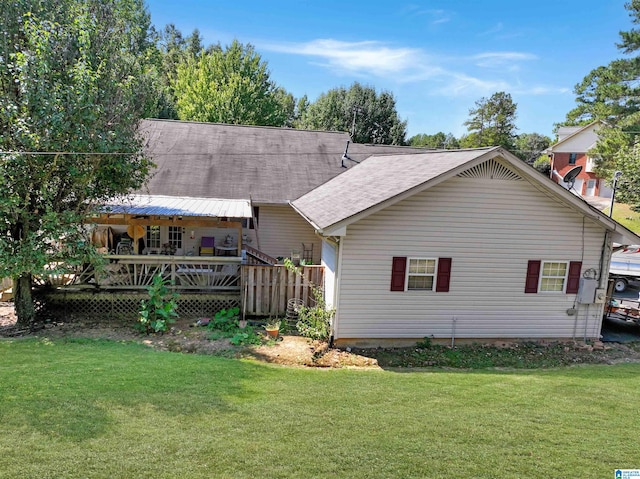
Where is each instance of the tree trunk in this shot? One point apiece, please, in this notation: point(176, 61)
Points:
point(23, 301)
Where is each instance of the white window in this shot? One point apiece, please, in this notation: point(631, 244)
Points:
point(421, 274)
point(175, 236)
point(554, 276)
point(153, 237)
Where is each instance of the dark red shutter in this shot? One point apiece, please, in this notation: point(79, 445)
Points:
point(398, 270)
point(573, 281)
point(533, 273)
point(444, 275)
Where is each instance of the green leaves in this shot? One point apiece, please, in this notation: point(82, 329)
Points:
point(159, 311)
point(75, 79)
point(491, 122)
point(374, 115)
point(230, 86)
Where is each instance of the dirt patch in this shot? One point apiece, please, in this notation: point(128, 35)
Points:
point(291, 350)
point(186, 337)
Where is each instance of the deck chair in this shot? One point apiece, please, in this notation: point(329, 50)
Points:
point(125, 246)
point(207, 246)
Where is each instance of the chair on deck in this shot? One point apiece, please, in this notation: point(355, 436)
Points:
point(125, 246)
point(207, 246)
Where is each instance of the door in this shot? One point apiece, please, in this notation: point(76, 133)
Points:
point(591, 188)
point(577, 187)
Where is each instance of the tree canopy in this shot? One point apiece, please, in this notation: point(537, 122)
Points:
point(491, 122)
point(529, 146)
point(440, 140)
point(230, 85)
point(611, 94)
point(75, 78)
point(369, 116)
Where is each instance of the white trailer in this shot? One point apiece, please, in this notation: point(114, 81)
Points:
point(625, 267)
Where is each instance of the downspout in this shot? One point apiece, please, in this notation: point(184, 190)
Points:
point(336, 293)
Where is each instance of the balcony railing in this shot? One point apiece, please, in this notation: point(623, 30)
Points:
point(137, 272)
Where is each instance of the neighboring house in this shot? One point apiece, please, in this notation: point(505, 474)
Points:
point(571, 150)
point(265, 166)
point(471, 244)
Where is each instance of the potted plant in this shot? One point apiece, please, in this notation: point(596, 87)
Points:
point(272, 328)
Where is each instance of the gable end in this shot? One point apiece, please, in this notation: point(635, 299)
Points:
point(491, 170)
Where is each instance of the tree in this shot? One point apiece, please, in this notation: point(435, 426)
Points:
point(529, 146)
point(230, 85)
point(173, 49)
point(491, 122)
point(369, 116)
point(611, 94)
point(438, 140)
point(543, 165)
point(75, 78)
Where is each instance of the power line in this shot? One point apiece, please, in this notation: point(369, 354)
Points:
point(54, 153)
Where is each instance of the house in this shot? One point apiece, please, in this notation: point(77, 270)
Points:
point(218, 198)
point(462, 244)
point(265, 166)
point(571, 150)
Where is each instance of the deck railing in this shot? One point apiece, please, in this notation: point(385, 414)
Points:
point(261, 290)
point(137, 271)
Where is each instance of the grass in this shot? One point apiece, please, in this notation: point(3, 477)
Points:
point(86, 408)
point(624, 215)
point(521, 355)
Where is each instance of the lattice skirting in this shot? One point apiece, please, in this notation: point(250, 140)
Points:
point(66, 305)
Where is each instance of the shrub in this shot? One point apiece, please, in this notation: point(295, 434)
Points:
point(226, 320)
point(226, 324)
point(159, 311)
point(313, 322)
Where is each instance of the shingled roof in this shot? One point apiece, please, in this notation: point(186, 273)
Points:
point(381, 181)
point(268, 165)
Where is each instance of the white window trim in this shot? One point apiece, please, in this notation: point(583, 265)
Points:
point(566, 276)
point(177, 230)
point(147, 240)
point(407, 274)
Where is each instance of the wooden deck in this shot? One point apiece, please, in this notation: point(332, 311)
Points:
point(260, 290)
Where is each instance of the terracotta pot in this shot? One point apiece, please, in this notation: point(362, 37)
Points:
point(273, 333)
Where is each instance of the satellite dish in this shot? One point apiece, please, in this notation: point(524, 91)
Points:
point(570, 177)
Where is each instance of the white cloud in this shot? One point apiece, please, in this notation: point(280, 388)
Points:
point(499, 59)
point(436, 16)
point(368, 56)
point(413, 65)
point(495, 29)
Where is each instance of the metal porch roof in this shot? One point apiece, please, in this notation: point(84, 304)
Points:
point(160, 205)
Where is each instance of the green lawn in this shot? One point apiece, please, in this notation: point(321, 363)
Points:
point(624, 215)
point(105, 409)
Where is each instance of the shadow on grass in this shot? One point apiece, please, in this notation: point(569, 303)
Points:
point(71, 388)
point(519, 356)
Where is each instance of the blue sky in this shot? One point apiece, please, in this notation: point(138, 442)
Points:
point(436, 57)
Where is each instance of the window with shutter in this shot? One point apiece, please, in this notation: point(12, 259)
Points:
point(420, 274)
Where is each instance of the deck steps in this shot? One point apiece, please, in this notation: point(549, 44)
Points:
point(258, 257)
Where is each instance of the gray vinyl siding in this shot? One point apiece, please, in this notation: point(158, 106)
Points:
point(281, 230)
point(490, 229)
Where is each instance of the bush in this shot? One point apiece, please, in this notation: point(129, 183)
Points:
point(159, 311)
point(313, 322)
point(226, 324)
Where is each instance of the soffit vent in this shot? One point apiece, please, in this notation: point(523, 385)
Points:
point(490, 170)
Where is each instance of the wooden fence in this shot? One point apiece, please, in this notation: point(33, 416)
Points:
point(268, 289)
point(5, 283)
